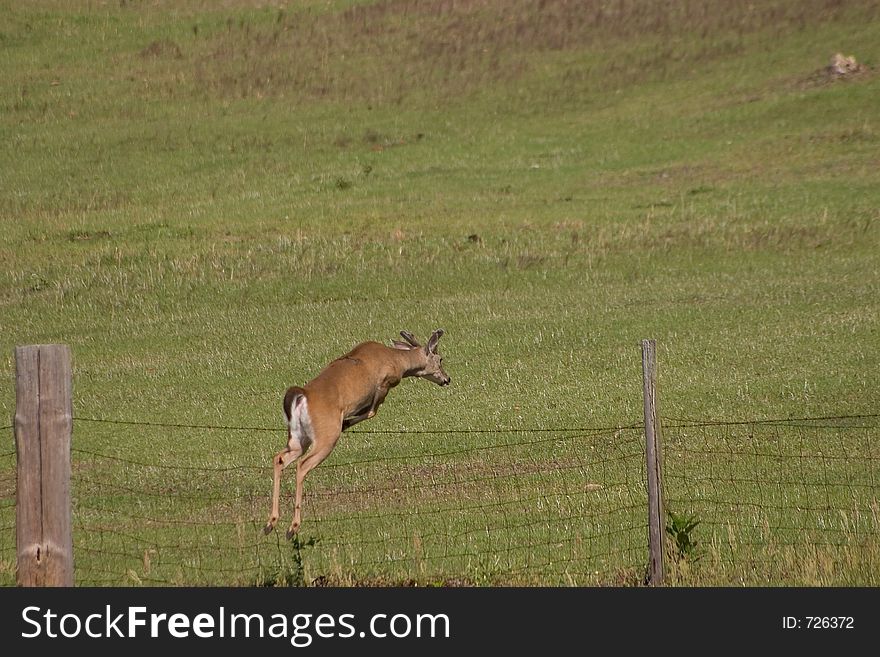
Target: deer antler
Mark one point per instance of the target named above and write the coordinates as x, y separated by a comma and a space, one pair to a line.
409, 337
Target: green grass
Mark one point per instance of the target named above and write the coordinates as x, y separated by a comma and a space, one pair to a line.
210, 201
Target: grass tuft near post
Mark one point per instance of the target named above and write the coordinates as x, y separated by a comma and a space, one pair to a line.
43, 424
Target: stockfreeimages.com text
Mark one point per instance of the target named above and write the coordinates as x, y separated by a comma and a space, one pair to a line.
300, 629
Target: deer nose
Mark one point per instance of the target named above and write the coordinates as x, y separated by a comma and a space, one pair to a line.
446, 382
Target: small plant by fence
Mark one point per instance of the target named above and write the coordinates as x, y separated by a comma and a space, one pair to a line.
765, 501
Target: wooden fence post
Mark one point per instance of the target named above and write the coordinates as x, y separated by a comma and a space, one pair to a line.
43, 425
654, 459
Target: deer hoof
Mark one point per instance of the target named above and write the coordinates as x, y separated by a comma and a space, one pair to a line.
269, 527
292, 532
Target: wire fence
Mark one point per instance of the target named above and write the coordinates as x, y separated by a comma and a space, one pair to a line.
185, 504
782, 500
388, 507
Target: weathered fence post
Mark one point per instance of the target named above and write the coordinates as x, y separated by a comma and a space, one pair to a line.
43, 424
654, 459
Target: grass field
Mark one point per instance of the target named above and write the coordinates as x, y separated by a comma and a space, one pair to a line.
210, 201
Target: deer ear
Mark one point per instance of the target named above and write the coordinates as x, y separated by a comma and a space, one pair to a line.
432, 342
409, 337
397, 344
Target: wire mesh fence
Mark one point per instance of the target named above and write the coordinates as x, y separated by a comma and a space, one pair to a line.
468, 507
773, 501
784, 500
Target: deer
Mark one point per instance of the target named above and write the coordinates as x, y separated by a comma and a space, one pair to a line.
347, 391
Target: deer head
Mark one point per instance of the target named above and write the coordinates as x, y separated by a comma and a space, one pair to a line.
431, 363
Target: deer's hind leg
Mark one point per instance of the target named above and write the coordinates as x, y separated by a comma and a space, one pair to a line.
281, 460
326, 434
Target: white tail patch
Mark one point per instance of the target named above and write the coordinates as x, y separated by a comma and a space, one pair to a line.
299, 428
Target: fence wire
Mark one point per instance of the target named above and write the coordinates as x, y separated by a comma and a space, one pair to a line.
796, 500
185, 504
388, 507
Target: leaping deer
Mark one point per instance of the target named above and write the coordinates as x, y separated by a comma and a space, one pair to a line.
347, 391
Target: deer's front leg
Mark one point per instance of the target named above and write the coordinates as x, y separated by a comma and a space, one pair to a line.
378, 398
354, 419
365, 412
